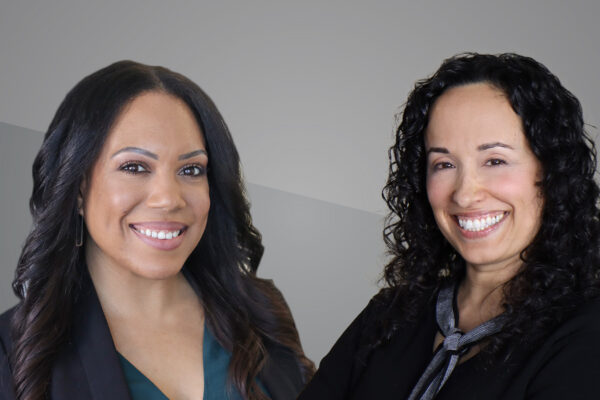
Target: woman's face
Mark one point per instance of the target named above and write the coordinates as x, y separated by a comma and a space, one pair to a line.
146, 201
481, 177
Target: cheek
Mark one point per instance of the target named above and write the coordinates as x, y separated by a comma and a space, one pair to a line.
200, 204
203, 208
108, 202
519, 188
124, 202
510, 184
438, 192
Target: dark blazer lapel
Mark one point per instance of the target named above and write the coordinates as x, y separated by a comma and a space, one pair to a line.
91, 358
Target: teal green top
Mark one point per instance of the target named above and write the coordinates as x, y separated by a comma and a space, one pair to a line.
216, 361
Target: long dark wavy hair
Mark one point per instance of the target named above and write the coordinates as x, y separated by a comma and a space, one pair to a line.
246, 313
561, 266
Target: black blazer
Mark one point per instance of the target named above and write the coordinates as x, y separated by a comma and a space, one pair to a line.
87, 367
563, 365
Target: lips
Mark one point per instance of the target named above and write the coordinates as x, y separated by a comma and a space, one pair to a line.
162, 235
480, 222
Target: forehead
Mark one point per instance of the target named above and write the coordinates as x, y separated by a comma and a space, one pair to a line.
156, 120
471, 115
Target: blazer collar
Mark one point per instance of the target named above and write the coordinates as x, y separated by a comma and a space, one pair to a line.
91, 356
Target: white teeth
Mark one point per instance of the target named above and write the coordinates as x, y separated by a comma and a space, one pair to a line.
479, 224
163, 235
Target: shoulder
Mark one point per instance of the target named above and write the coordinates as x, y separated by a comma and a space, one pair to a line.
5, 336
360, 332
6, 390
282, 373
567, 363
339, 369
365, 329
576, 331
583, 322
586, 315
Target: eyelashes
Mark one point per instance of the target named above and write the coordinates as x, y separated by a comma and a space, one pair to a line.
194, 170
133, 168
495, 162
442, 165
138, 168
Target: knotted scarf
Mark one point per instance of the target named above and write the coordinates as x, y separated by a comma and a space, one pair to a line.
455, 344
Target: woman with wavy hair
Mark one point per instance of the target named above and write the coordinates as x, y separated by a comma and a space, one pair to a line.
494, 281
138, 279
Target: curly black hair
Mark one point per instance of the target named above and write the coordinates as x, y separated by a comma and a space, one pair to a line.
561, 266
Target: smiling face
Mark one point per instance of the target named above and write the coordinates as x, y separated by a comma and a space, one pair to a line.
146, 201
481, 177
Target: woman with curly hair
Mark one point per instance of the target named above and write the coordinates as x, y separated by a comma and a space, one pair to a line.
138, 279
494, 282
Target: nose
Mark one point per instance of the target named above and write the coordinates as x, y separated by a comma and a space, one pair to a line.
468, 189
165, 193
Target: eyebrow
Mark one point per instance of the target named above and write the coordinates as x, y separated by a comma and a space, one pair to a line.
154, 156
485, 146
136, 150
437, 150
192, 154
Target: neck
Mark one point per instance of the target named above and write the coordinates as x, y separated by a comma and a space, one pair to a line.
124, 295
480, 294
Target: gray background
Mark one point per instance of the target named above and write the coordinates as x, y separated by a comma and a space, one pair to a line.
309, 90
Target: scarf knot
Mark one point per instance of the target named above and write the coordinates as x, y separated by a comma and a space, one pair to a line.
452, 342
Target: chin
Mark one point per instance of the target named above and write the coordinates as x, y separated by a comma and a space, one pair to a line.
157, 272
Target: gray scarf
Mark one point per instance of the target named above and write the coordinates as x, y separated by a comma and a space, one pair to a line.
455, 344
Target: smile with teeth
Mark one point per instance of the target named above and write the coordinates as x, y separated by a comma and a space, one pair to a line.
479, 223
163, 235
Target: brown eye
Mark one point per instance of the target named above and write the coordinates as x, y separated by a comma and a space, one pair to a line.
442, 165
133, 168
193, 170
494, 162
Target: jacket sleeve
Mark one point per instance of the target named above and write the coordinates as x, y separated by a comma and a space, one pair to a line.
334, 378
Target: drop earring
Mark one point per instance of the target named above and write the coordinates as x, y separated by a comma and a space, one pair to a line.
79, 231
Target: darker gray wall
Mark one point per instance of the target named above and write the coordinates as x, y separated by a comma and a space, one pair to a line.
325, 258
18, 147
